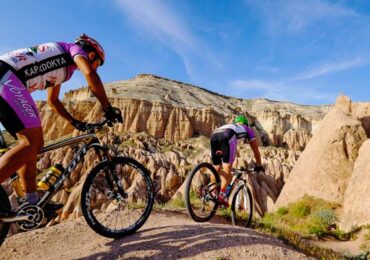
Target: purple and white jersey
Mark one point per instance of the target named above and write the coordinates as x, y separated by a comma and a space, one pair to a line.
239, 131
45, 65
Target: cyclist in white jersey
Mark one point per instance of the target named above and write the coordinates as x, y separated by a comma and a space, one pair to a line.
223, 150
45, 66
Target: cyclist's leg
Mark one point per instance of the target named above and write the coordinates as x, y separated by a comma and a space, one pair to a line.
23, 154
19, 116
216, 159
227, 160
33, 137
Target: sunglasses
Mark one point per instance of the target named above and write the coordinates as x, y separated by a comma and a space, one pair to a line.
96, 59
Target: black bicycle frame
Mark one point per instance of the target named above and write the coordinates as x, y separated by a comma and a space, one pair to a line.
90, 141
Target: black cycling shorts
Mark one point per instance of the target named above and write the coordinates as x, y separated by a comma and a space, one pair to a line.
220, 142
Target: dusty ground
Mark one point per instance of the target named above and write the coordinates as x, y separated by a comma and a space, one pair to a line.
164, 236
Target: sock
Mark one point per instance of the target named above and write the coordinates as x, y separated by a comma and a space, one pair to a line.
223, 191
32, 197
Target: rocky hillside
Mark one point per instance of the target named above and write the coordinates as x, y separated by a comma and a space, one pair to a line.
166, 128
335, 164
176, 111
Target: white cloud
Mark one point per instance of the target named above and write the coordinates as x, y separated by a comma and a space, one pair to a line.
158, 20
281, 91
294, 16
285, 90
329, 68
253, 85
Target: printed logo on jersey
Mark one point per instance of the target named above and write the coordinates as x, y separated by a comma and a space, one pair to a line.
18, 57
34, 49
45, 66
18, 93
39, 48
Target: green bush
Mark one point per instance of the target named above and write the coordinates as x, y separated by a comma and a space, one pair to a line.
301, 209
268, 220
177, 203
321, 221
306, 217
282, 211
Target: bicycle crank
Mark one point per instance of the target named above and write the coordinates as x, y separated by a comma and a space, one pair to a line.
33, 222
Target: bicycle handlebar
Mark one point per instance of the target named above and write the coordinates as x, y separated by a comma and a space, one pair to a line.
243, 170
90, 128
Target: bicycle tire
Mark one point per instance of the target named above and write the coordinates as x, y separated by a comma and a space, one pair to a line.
198, 195
95, 204
4, 207
242, 206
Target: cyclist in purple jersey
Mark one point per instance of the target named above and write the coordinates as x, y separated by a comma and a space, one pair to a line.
45, 66
223, 150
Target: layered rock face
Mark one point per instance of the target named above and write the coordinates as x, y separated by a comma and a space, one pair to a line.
334, 165
158, 119
170, 113
356, 202
168, 169
175, 111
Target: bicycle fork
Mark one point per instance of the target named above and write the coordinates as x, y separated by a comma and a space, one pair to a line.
111, 177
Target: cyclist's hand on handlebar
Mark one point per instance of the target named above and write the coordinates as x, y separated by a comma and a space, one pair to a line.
79, 125
259, 168
113, 115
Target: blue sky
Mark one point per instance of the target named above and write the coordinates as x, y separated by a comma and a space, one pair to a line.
307, 52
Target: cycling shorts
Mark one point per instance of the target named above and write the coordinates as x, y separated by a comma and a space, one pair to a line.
221, 142
18, 111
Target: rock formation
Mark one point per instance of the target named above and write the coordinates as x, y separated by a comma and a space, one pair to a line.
356, 210
166, 128
176, 111
334, 165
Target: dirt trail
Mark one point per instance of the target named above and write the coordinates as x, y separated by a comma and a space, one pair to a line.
164, 236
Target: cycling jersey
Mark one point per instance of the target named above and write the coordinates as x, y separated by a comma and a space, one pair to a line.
225, 139
239, 131
45, 65
26, 70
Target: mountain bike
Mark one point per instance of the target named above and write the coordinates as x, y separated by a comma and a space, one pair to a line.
116, 198
202, 188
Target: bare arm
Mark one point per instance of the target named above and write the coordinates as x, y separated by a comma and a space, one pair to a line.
93, 80
56, 104
254, 145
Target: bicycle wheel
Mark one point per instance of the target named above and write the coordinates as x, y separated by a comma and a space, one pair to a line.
117, 197
242, 206
4, 207
201, 188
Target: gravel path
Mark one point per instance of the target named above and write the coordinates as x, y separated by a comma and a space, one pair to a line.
164, 236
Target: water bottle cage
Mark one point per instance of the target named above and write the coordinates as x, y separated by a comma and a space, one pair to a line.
48, 179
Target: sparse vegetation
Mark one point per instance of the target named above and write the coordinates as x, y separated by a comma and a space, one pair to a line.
365, 246
307, 217
177, 203
224, 212
302, 220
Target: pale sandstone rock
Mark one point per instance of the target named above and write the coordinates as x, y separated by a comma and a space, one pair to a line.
324, 168
173, 110
356, 210
296, 139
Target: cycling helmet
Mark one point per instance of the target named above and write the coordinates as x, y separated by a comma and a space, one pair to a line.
241, 119
89, 44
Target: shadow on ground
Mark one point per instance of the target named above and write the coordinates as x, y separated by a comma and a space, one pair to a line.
182, 241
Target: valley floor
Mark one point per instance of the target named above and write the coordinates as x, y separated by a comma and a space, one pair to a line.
166, 235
